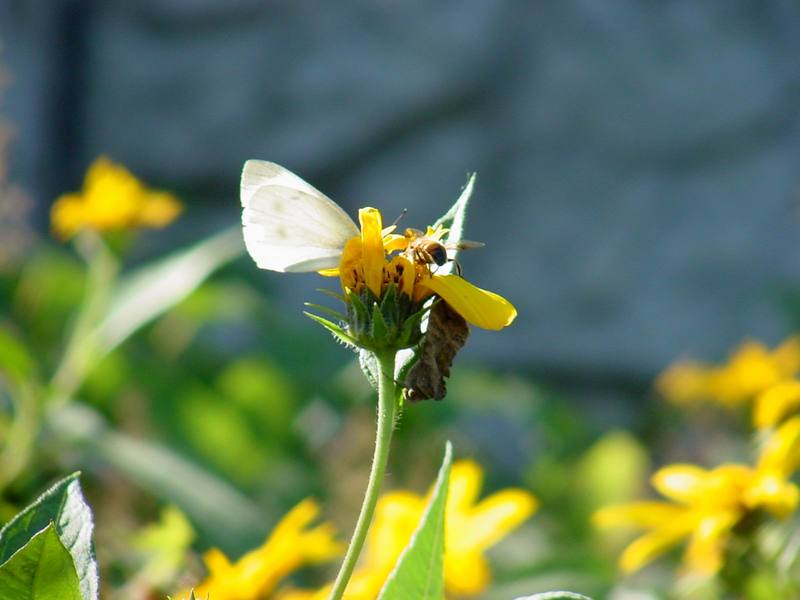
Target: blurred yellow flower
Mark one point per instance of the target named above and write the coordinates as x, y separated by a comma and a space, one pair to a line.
750, 370
776, 403
112, 199
471, 527
707, 504
290, 546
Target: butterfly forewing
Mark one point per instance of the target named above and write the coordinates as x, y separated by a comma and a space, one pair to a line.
289, 225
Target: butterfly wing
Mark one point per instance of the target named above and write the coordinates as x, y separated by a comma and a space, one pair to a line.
289, 226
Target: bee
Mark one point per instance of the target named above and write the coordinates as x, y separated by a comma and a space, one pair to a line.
427, 250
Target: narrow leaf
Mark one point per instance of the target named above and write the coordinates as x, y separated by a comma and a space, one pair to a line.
64, 506
326, 310
454, 220
419, 572
338, 333
147, 293
212, 504
41, 570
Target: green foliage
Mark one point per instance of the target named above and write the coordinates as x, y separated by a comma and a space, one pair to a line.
556, 596
42, 569
64, 507
419, 572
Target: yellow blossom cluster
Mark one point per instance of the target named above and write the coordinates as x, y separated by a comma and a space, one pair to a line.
471, 526
377, 258
752, 374
705, 506
112, 199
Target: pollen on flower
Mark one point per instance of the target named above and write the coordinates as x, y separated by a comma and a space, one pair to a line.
112, 199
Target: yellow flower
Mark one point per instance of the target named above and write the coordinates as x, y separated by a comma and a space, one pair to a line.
775, 403
707, 504
750, 370
292, 545
471, 527
112, 199
368, 261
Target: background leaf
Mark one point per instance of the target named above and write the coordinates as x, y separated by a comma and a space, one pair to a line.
419, 572
211, 503
41, 570
555, 596
64, 506
155, 288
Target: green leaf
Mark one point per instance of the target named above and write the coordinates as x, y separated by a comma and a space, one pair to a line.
338, 333
41, 570
555, 596
419, 572
64, 506
454, 220
155, 288
15, 360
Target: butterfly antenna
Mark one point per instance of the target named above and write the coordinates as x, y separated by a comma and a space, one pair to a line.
400, 216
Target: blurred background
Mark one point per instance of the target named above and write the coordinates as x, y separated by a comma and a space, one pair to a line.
638, 191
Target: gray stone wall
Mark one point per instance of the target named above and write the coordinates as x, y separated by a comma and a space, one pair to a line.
638, 161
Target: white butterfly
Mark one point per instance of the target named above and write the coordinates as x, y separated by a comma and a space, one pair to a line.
289, 226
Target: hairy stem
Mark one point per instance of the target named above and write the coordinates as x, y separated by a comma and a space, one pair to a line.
387, 407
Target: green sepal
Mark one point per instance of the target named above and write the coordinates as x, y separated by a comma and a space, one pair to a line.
338, 333
333, 294
369, 366
360, 315
410, 334
327, 310
390, 307
379, 330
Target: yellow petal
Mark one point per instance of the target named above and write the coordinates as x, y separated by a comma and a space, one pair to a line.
395, 242
400, 272
704, 554
787, 356
685, 382
774, 493
679, 482
775, 403
636, 514
480, 307
466, 479
781, 453
490, 520
466, 574
373, 253
649, 546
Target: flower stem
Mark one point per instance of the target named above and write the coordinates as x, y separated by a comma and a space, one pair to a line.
387, 408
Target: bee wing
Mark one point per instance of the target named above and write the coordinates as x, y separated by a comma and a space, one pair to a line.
464, 245
289, 226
